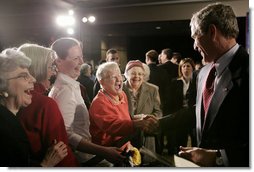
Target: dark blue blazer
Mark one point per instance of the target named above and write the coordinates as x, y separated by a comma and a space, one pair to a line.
227, 123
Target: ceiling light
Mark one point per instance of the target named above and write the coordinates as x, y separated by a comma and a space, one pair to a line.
70, 31
91, 19
65, 20
84, 19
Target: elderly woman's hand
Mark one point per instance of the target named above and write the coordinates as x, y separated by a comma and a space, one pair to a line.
151, 124
55, 154
113, 155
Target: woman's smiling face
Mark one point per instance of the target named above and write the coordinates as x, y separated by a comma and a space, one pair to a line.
72, 63
135, 77
20, 84
113, 82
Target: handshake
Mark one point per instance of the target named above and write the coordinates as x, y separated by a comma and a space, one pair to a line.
147, 123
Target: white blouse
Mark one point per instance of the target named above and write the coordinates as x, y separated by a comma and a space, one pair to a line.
66, 92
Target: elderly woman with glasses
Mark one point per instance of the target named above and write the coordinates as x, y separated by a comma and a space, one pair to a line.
109, 114
42, 119
143, 99
16, 85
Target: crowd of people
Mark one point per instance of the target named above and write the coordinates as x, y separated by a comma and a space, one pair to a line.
79, 121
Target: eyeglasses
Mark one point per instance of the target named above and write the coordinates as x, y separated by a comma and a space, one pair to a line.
138, 74
115, 77
25, 76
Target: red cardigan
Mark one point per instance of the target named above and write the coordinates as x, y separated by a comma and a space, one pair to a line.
109, 122
43, 122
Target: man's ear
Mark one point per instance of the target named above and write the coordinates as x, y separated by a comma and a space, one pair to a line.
101, 81
213, 31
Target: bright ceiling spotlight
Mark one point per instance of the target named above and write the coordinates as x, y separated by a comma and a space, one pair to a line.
70, 31
91, 19
71, 12
65, 20
84, 19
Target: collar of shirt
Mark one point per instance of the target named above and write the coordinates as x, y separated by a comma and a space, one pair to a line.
225, 59
185, 85
65, 79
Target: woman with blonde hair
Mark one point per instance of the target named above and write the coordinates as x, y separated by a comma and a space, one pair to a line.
42, 119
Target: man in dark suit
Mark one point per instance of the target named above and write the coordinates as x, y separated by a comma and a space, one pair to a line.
171, 68
157, 77
222, 122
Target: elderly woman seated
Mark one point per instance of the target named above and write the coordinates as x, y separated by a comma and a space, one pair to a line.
111, 123
16, 85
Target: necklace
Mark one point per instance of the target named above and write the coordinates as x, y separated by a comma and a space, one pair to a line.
113, 100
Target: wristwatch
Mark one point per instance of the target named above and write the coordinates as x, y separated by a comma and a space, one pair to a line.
219, 161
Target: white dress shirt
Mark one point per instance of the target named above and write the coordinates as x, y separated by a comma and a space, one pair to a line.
66, 92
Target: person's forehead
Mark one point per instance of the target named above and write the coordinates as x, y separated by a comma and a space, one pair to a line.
115, 55
112, 71
136, 69
75, 49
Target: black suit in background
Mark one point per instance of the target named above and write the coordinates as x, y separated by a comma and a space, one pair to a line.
96, 87
157, 77
88, 83
183, 123
171, 68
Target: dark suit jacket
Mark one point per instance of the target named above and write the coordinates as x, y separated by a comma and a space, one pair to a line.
171, 72
176, 91
157, 77
227, 123
88, 83
171, 68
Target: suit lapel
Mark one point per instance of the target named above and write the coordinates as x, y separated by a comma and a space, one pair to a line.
221, 91
200, 80
225, 81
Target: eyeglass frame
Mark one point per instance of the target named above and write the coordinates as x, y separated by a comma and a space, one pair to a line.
25, 76
114, 77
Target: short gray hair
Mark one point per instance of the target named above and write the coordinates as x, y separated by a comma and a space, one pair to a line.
104, 68
222, 16
84, 69
40, 57
10, 60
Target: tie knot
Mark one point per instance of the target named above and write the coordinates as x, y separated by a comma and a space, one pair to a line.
210, 78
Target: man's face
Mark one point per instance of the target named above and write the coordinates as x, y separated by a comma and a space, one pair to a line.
113, 58
163, 58
204, 45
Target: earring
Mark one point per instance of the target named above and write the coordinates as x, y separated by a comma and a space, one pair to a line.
5, 94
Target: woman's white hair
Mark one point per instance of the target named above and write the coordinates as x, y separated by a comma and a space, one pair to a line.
104, 68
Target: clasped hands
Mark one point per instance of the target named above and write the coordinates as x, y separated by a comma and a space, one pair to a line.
148, 123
